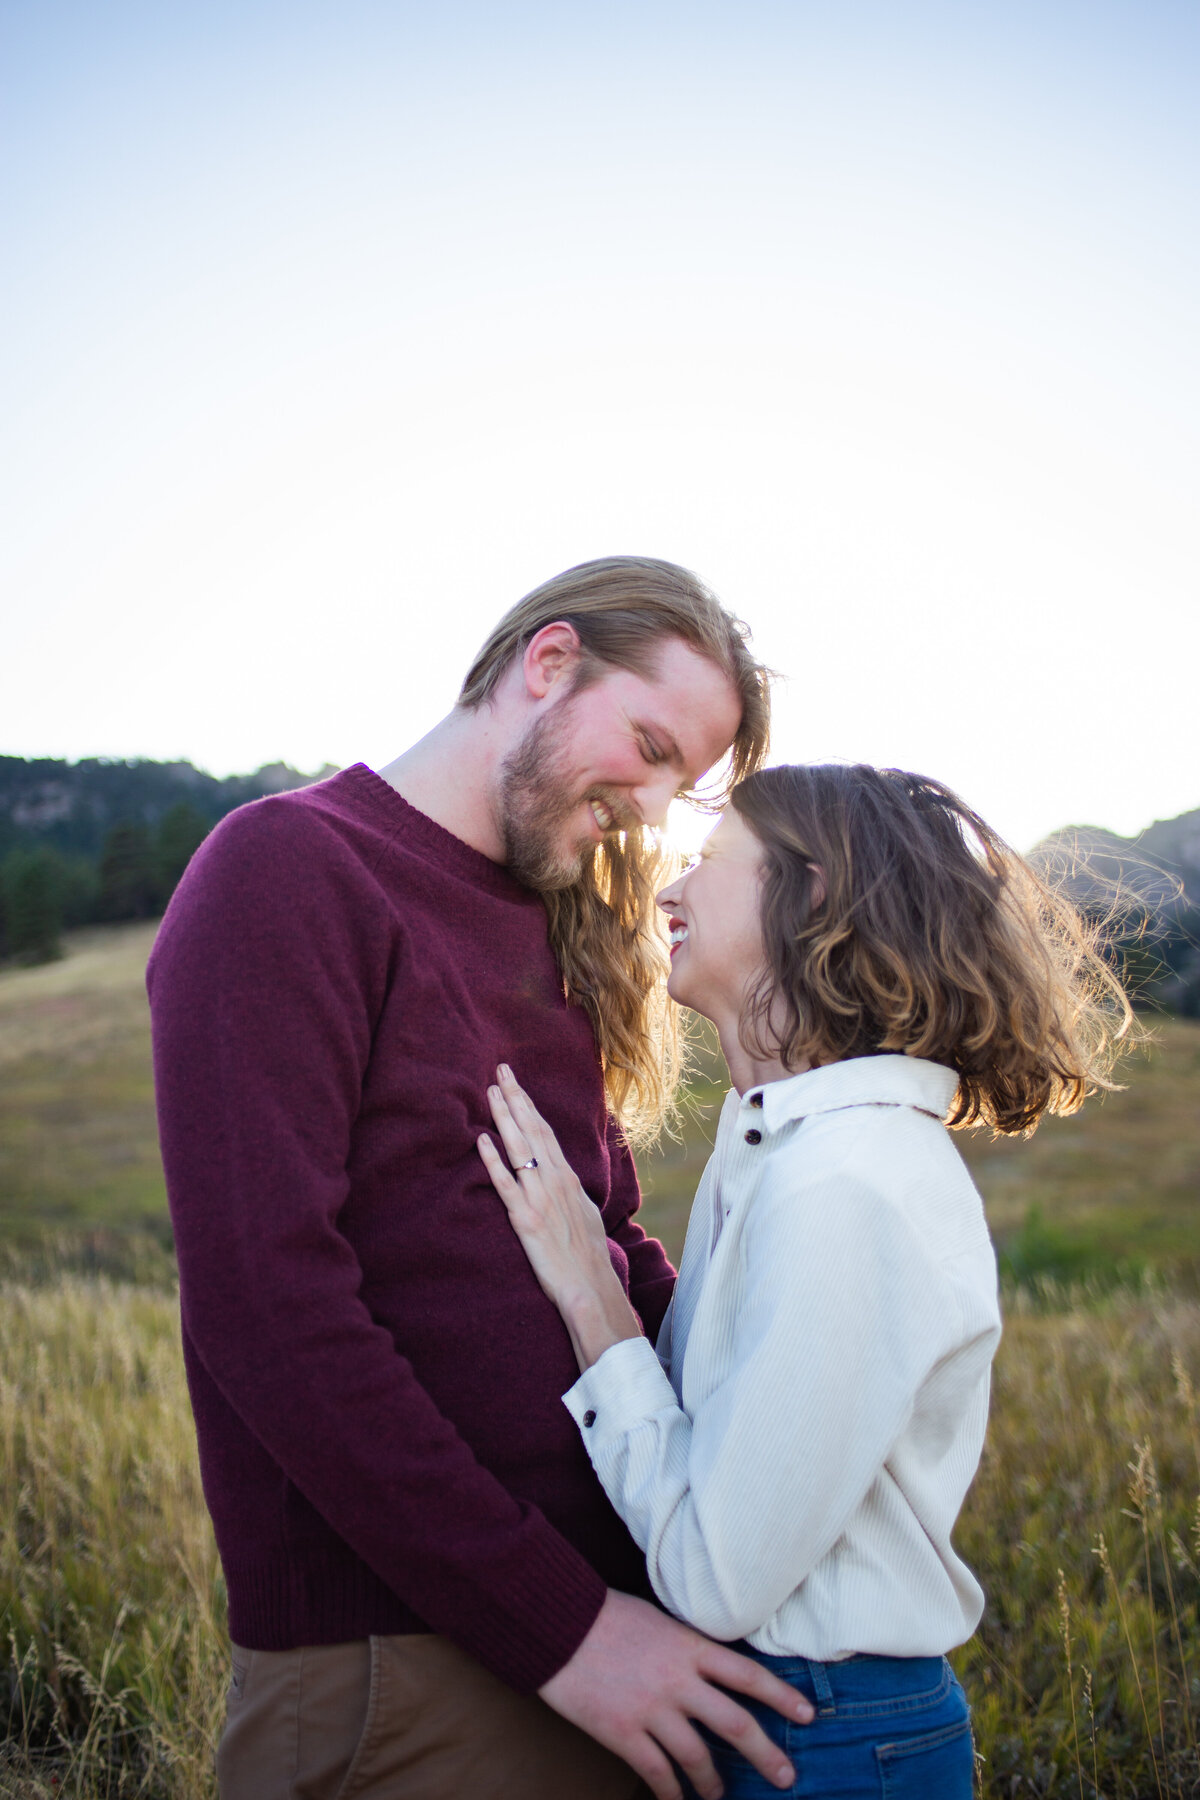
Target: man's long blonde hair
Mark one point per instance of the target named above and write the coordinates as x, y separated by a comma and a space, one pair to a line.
605, 928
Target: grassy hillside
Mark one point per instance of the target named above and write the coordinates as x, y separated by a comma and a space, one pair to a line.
1084, 1523
1111, 1192
1107, 1194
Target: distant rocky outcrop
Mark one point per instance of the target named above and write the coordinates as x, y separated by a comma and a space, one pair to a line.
1147, 890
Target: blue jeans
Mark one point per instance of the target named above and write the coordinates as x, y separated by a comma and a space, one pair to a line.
887, 1728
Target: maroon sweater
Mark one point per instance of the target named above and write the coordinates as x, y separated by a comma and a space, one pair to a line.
375, 1373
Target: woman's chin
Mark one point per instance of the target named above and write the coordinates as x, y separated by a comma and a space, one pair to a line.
683, 995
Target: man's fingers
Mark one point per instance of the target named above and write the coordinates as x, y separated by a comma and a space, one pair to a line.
649, 1762
741, 1730
680, 1739
748, 1677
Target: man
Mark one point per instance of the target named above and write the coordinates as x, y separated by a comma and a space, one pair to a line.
429, 1594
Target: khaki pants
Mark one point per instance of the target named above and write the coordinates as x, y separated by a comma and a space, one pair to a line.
400, 1718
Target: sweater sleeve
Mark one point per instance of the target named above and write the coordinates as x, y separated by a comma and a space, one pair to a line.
265, 985
841, 1320
651, 1275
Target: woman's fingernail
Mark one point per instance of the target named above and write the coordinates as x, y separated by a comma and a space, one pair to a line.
785, 1775
505, 1072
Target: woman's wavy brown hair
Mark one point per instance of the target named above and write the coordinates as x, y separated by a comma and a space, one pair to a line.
896, 920
605, 928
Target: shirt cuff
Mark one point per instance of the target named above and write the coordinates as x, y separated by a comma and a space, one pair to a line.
622, 1389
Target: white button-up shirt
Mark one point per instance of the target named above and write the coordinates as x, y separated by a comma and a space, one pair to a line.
793, 1458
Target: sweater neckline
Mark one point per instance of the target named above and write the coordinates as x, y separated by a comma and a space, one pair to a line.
403, 816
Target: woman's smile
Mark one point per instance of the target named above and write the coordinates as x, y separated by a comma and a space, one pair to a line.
713, 923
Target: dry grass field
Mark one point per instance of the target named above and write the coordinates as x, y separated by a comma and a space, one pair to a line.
1084, 1523
78, 1142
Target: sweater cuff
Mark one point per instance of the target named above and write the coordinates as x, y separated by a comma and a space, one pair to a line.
529, 1636
622, 1389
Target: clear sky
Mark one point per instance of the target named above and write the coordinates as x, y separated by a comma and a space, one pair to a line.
327, 331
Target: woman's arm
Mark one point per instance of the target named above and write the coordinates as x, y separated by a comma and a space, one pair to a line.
831, 1323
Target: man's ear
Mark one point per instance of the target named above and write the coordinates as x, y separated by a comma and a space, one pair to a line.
551, 658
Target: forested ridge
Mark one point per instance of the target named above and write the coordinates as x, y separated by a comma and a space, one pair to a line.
103, 840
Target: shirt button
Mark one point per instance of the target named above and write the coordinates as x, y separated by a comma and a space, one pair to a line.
589, 1417
754, 1137
756, 1099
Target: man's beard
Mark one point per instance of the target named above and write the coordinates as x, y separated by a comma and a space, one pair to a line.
536, 805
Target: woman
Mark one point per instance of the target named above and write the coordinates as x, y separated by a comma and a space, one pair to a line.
794, 1457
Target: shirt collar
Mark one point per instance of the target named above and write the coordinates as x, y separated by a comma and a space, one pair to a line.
859, 1081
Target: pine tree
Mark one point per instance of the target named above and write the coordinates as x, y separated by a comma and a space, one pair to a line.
181, 831
128, 879
31, 895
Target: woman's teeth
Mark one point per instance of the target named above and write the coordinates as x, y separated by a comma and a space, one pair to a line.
678, 934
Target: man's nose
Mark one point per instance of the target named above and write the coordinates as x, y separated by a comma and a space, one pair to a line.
652, 798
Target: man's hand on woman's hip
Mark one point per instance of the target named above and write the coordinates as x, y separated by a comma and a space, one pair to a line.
638, 1682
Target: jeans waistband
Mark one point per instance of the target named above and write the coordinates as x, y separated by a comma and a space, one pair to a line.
864, 1684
